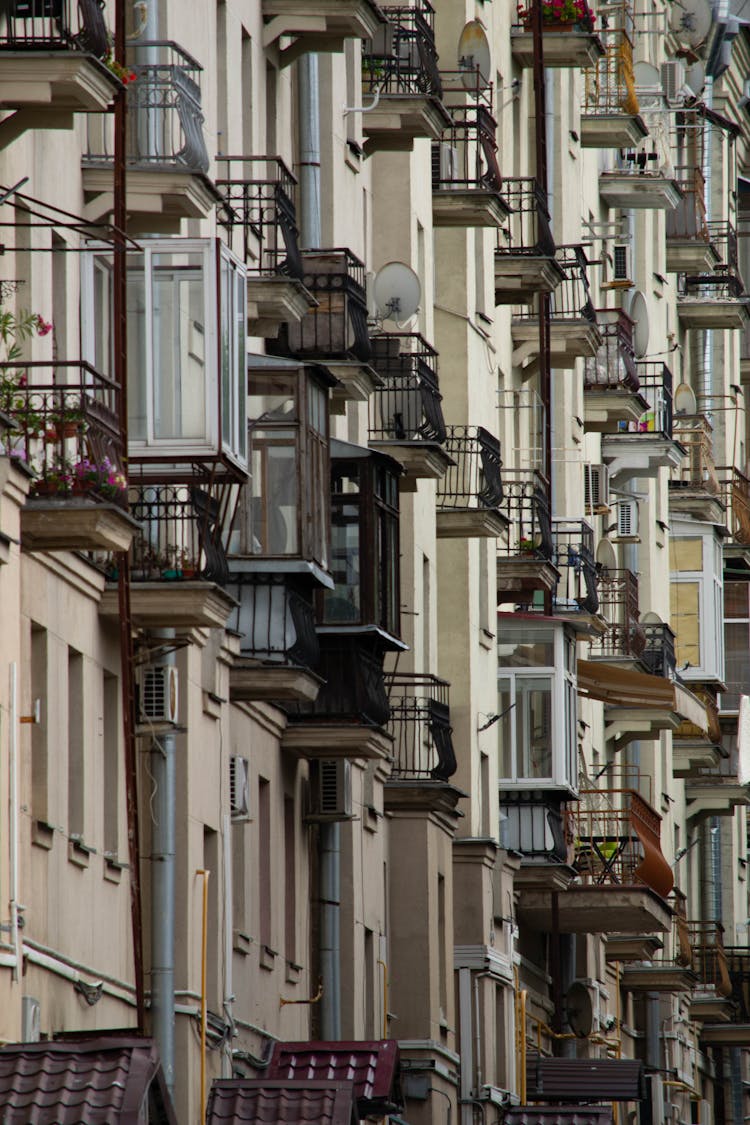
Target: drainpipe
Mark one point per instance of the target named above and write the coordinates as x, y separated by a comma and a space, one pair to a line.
309, 151
162, 764
706, 369
653, 1038
568, 957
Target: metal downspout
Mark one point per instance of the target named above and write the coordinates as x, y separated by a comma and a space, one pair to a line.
330, 922
309, 151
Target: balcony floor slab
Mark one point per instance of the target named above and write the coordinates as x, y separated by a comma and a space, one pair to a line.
467, 207
356, 382
704, 312
421, 460
561, 48
606, 407
690, 255
612, 130
64, 81
75, 525
524, 574
399, 119
631, 947
470, 523
336, 740
326, 19
658, 978
173, 605
597, 910
631, 455
519, 277
725, 1035
639, 191
714, 798
273, 301
251, 683
158, 197
570, 340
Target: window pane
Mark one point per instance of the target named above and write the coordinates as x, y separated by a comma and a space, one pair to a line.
736, 599
274, 502
685, 620
686, 554
505, 726
343, 604
137, 366
534, 725
737, 647
526, 648
272, 397
240, 361
179, 392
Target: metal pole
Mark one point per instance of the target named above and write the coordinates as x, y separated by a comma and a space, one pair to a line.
309, 151
330, 941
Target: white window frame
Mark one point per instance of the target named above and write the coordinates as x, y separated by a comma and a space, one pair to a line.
710, 582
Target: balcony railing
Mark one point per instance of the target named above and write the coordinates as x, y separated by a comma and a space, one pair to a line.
688, 219
474, 482
420, 728
526, 505
655, 381
571, 300
401, 58
54, 25
725, 282
277, 624
738, 965
658, 655
617, 840
613, 366
164, 119
618, 605
337, 328
465, 157
735, 494
698, 471
610, 84
709, 960
527, 229
354, 688
407, 407
573, 555
67, 431
259, 199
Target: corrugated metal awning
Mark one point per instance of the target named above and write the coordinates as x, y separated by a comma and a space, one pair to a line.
259, 1101
372, 1065
559, 1115
584, 1080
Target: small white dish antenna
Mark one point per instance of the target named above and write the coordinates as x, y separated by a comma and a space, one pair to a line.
690, 20
684, 399
651, 618
638, 313
397, 291
605, 555
695, 78
474, 60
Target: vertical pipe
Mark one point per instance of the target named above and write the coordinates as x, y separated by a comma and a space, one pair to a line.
467, 1045
330, 938
226, 1058
568, 956
653, 1039
13, 815
309, 151
204, 1005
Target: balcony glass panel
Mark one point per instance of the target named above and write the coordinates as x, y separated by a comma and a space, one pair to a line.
736, 644
697, 604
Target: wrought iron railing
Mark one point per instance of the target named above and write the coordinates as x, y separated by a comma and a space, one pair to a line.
67, 428
610, 83
658, 655
465, 157
688, 219
617, 840
401, 58
54, 25
279, 623
738, 966
474, 481
735, 494
354, 688
655, 384
709, 960
613, 366
259, 200
526, 506
164, 119
725, 281
573, 555
571, 300
526, 230
698, 470
618, 605
337, 327
420, 727
407, 407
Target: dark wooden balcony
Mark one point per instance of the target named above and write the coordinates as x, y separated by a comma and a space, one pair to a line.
420, 727
470, 495
610, 115
524, 559
402, 81
525, 261
611, 386
624, 638
564, 44
689, 245
715, 298
325, 29
573, 329
658, 653
647, 445
695, 488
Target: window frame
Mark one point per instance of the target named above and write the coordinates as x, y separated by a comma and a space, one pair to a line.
710, 583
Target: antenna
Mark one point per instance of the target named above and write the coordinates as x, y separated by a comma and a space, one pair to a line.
579, 1009
605, 555
695, 78
684, 399
474, 60
396, 291
690, 20
638, 313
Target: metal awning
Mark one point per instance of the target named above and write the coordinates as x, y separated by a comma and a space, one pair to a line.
584, 1080
621, 687
258, 1101
372, 1065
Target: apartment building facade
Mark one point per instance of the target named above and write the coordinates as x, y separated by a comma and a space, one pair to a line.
374, 541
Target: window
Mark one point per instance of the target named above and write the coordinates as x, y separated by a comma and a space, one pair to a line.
536, 705
736, 644
40, 805
76, 758
111, 763
290, 883
696, 602
264, 861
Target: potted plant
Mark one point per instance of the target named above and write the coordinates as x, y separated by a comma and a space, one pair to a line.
561, 15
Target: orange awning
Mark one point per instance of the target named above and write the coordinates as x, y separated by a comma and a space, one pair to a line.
621, 687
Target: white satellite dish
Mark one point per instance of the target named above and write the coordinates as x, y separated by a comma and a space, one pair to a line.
690, 20
605, 555
397, 291
648, 84
684, 399
474, 60
638, 313
695, 78
651, 618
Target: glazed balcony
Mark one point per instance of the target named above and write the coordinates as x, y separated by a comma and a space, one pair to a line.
53, 64
470, 495
568, 45
323, 29
67, 432
525, 261
647, 445
466, 180
611, 386
401, 78
573, 329
610, 116
716, 298
259, 210
420, 727
624, 638
524, 559
695, 489
406, 415
689, 246
639, 180
166, 154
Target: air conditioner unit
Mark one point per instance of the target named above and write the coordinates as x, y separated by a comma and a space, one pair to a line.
157, 695
239, 788
444, 164
595, 489
330, 790
673, 80
31, 1020
627, 521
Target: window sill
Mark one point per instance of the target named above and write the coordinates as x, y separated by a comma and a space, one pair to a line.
267, 958
43, 835
241, 942
79, 853
113, 868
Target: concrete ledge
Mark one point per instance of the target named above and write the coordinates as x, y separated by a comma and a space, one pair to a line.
659, 978
690, 255
642, 191
612, 130
561, 48
707, 312
422, 460
252, 683
470, 523
175, 605
467, 207
598, 910
61, 80
399, 119
75, 525
336, 740
519, 277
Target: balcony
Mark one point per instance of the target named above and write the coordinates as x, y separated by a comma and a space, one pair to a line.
470, 495
738, 964
536, 826
524, 559
695, 748
648, 445
715, 299
711, 999
694, 488
466, 180
576, 597
719, 790
612, 397
167, 159
401, 79
689, 246
53, 64
525, 261
735, 493
623, 877
573, 330
324, 29
67, 432
624, 638
406, 415
259, 210
610, 116
423, 756
335, 332
658, 653
640, 180
563, 44
671, 970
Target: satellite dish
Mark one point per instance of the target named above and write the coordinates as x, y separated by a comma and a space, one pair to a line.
474, 56
638, 313
695, 78
579, 1009
397, 291
651, 618
605, 555
690, 20
684, 399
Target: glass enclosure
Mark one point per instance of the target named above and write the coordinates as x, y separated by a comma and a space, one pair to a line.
697, 603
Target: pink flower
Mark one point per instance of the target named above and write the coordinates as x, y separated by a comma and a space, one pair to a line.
43, 327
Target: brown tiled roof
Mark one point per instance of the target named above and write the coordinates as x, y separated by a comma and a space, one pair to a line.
265, 1101
373, 1067
98, 1081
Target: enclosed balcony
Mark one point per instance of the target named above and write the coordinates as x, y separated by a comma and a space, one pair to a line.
423, 755
466, 180
166, 155
696, 563
624, 638
406, 415
694, 488
611, 386
401, 80
573, 329
259, 211
524, 559
689, 245
647, 445
569, 45
470, 495
67, 433
525, 262
536, 826
54, 61
641, 179
323, 29
610, 115
715, 298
